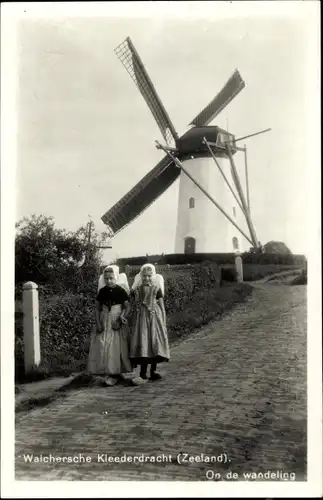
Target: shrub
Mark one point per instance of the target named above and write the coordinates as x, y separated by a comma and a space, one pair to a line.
65, 329
254, 272
205, 306
178, 259
218, 258
205, 276
274, 259
301, 279
228, 274
181, 285
193, 298
56, 259
177, 292
19, 344
276, 247
66, 324
131, 261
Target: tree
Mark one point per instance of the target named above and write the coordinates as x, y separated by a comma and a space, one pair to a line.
276, 247
53, 257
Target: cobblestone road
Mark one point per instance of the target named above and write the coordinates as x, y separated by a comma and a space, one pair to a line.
237, 386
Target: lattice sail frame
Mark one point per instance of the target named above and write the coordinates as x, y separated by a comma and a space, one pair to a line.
130, 59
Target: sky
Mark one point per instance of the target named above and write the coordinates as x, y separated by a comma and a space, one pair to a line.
86, 136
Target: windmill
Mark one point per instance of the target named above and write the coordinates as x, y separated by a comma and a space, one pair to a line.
191, 158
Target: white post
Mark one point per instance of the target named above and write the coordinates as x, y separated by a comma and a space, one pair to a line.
31, 325
239, 268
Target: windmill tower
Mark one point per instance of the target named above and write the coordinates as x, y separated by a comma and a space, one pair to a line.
200, 227
203, 160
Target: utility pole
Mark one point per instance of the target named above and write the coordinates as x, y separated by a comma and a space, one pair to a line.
90, 228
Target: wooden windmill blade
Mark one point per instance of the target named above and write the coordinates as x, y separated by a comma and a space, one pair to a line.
142, 195
131, 60
232, 88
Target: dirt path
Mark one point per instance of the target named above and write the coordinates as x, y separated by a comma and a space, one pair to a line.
237, 387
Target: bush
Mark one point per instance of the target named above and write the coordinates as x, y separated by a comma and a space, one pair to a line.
56, 259
177, 292
274, 259
228, 274
193, 298
217, 258
182, 285
179, 259
73, 317
301, 279
131, 261
205, 306
19, 344
65, 329
276, 247
254, 272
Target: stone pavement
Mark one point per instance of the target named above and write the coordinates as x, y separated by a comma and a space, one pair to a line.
237, 388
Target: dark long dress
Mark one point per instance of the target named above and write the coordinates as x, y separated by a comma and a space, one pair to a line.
149, 342
109, 350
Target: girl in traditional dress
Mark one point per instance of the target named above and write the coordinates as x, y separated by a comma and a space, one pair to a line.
109, 349
149, 342
122, 279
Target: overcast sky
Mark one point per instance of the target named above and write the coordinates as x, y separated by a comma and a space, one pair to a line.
86, 136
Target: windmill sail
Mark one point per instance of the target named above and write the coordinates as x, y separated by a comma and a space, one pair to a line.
130, 58
142, 195
233, 86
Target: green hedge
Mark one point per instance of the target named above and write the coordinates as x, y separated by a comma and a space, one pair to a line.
274, 259
218, 258
301, 279
176, 259
66, 321
182, 285
65, 327
205, 306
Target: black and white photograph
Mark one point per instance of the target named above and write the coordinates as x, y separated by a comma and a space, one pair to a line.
160, 249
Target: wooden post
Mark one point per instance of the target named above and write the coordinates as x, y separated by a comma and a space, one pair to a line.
222, 173
247, 176
239, 268
242, 197
30, 307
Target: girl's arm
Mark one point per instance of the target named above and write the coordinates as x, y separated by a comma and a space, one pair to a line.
162, 307
125, 311
97, 316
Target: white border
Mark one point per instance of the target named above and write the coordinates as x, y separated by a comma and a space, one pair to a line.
11, 13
